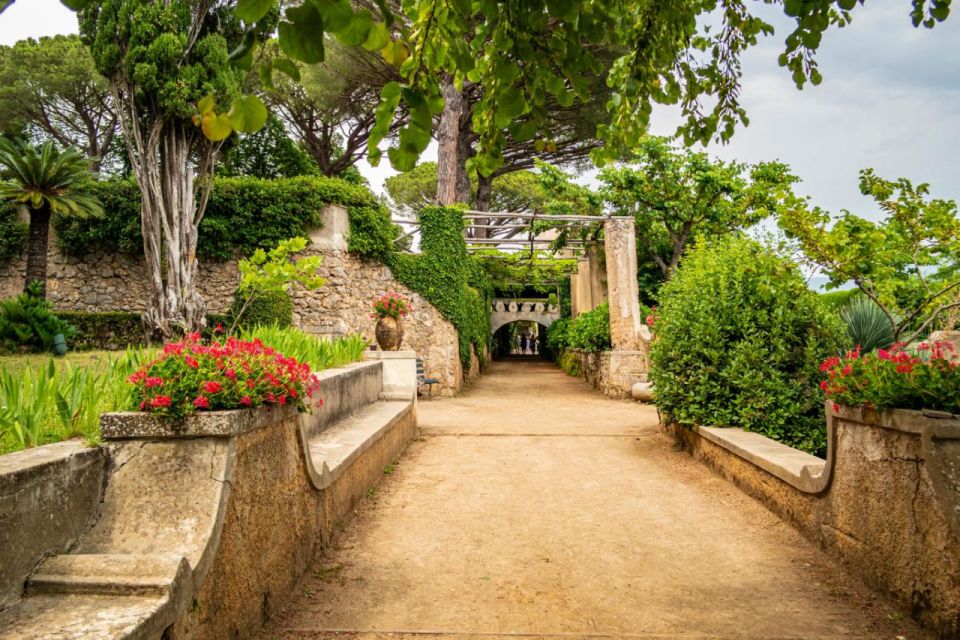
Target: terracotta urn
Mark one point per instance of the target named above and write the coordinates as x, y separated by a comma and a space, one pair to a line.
389, 333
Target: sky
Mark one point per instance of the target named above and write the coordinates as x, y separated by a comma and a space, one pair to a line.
890, 99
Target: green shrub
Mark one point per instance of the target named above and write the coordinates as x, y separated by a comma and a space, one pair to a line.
28, 323
558, 337
838, 299
13, 234
739, 340
243, 214
110, 330
867, 325
569, 363
270, 308
590, 331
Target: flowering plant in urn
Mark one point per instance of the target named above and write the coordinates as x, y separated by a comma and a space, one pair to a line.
389, 311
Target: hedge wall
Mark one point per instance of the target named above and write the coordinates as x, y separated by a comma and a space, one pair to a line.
446, 275
104, 330
243, 214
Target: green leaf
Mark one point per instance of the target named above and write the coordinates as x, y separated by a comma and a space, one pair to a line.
205, 105
377, 38
5, 4
288, 67
394, 53
73, 5
357, 30
248, 114
303, 40
242, 56
336, 13
265, 71
566, 9
216, 127
252, 10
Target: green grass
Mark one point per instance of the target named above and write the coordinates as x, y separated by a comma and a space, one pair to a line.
45, 399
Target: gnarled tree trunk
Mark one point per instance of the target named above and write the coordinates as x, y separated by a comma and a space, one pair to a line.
37, 243
174, 195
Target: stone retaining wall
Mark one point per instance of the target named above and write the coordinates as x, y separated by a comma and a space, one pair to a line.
48, 497
890, 510
202, 528
109, 281
612, 372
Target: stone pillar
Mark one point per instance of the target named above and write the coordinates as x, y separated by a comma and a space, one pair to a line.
332, 236
574, 299
598, 275
626, 325
399, 373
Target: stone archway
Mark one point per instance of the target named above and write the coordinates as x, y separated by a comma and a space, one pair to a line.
503, 311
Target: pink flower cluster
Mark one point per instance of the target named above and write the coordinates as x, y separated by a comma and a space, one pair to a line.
925, 377
189, 375
391, 305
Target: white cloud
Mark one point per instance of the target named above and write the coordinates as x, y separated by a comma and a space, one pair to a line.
34, 19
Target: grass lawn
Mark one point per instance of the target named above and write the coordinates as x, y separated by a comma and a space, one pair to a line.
96, 361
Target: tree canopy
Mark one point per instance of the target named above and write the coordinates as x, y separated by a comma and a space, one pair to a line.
675, 194
907, 263
50, 89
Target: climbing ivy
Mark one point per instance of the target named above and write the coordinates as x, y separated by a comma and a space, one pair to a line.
13, 233
244, 214
452, 281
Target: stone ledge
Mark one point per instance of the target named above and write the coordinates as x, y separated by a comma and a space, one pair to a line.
797, 468
335, 449
138, 425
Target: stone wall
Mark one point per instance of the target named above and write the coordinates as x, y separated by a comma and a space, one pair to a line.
890, 508
612, 372
202, 530
106, 281
343, 306
48, 497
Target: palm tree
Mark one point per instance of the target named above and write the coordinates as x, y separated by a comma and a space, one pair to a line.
44, 179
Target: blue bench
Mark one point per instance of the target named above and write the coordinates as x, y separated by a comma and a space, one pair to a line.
423, 380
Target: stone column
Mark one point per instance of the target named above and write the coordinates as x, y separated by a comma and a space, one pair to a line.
626, 325
332, 236
598, 275
574, 299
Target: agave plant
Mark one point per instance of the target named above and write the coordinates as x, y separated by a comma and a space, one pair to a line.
867, 324
45, 180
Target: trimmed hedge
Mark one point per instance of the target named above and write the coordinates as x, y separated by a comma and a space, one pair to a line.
244, 214
444, 274
267, 309
109, 330
739, 340
589, 331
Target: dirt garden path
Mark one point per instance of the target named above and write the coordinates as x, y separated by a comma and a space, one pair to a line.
534, 507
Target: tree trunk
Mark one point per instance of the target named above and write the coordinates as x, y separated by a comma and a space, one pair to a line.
169, 217
37, 249
484, 196
452, 182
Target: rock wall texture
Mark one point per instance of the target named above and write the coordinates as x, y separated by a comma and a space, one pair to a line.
612, 372
890, 512
106, 281
343, 305
64, 480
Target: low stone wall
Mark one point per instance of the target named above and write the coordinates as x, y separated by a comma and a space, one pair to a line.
205, 527
889, 504
48, 497
612, 372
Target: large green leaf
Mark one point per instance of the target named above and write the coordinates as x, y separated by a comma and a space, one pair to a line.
301, 35
248, 114
252, 10
377, 38
288, 67
216, 127
336, 13
357, 30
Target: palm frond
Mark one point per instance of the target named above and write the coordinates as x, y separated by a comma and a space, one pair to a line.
45, 176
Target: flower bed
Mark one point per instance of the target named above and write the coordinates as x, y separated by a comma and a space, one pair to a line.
191, 376
925, 378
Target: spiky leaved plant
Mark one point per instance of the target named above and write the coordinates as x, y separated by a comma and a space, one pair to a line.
867, 325
46, 180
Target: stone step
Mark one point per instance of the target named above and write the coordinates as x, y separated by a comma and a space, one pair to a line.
334, 448
109, 574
